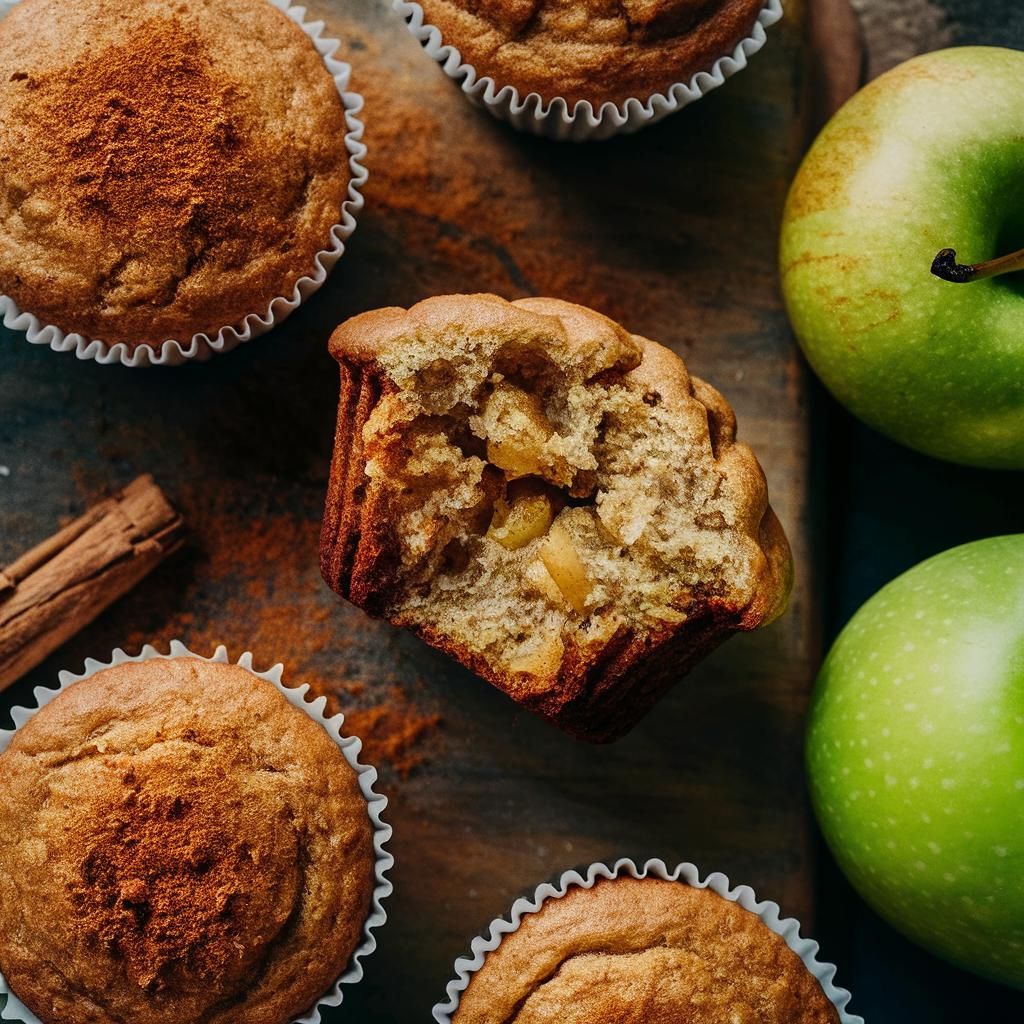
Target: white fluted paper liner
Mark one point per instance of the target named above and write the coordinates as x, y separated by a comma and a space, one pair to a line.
554, 119
350, 746
201, 346
688, 874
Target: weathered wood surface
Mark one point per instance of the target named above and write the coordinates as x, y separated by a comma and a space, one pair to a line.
673, 232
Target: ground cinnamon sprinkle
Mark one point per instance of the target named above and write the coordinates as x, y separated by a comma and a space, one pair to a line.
158, 887
391, 733
480, 224
157, 96
249, 579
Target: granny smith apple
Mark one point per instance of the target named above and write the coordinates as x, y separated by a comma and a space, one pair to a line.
915, 754
929, 157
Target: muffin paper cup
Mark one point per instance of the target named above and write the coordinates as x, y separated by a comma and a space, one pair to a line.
202, 346
350, 746
554, 119
788, 928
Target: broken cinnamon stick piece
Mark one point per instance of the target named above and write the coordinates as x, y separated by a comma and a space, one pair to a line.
62, 584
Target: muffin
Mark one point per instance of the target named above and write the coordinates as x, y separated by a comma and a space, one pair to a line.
178, 844
598, 52
551, 500
643, 951
166, 168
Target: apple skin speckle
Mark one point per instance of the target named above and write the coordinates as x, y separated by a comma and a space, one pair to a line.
926, 157
928, 823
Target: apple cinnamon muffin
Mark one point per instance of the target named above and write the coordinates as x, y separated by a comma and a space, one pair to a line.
178, 845
166, 168
643, 951
551, 500
592, 50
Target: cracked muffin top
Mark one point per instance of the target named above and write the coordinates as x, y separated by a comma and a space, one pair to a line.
178, 844
596, 50
166, 168
643, 951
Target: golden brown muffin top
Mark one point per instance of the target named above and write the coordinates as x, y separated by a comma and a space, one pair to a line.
596, 50
644, 951
178, 843
166, 168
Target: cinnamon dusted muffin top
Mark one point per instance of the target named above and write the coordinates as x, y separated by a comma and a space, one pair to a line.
166, 168
178, 843
596, 50
643, 951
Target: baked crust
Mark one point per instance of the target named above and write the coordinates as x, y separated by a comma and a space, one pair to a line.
166, 169
595, 690
592, 49
178, 844
643, 951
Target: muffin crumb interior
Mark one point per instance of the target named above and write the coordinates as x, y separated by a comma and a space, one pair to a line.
547, 502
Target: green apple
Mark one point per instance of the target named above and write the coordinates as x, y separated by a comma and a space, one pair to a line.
915, 754
928, 157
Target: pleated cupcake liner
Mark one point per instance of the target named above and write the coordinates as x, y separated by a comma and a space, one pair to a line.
685, 874
555, 119
202, 346
350, 747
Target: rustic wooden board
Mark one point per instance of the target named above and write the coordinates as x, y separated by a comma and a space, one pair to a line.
672, 232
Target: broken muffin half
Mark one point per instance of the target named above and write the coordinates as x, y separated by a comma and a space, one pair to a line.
551, 500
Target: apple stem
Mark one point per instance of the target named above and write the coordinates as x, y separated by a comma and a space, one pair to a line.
946, 267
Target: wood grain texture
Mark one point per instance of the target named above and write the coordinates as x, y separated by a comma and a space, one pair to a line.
836, 54
673, 233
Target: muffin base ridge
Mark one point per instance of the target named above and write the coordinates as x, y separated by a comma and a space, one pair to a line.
554, 118
350, 746
769, 913
201, 346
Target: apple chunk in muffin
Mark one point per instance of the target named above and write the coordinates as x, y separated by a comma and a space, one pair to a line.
551, 500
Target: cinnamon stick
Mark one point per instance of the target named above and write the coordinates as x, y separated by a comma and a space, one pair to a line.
62, 584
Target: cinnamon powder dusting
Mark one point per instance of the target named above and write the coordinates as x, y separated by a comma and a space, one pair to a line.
162, 887
470, 224
146, 126
251, 581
